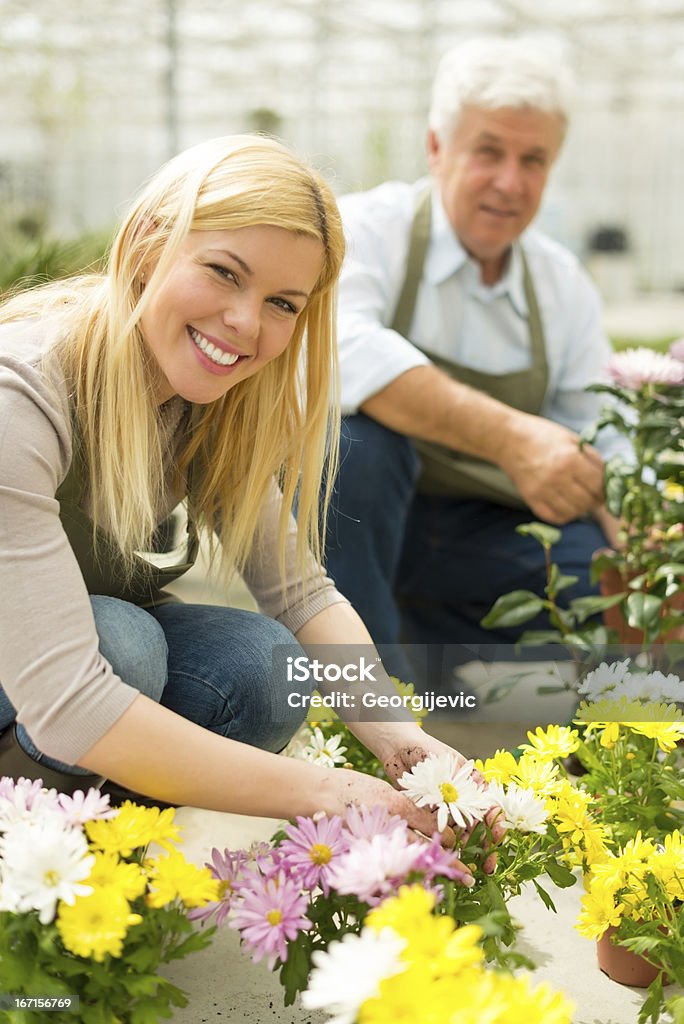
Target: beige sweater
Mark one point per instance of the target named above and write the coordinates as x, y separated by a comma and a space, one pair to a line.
65, 692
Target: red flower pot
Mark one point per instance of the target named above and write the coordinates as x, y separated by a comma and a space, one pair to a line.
623, 966
612, 582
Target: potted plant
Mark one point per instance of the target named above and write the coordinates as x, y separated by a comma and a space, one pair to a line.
622, 820
633, 905
645, 490
86, 916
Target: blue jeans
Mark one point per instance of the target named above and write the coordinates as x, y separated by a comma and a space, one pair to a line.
424, 570
212, 665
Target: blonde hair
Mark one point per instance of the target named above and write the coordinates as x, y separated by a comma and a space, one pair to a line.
281, 423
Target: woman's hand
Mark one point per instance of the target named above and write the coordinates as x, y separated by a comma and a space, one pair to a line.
407, 756
351, 787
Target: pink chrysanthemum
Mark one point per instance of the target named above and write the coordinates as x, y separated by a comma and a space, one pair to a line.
311, 850
636, 367
25, 799
373, 868
677, 349
366, 822
270, 915
81, 807
434, 860
227, 867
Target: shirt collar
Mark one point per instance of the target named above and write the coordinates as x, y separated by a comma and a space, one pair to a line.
446, 256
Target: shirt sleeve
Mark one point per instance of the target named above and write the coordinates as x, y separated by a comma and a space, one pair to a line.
64, 692
294, 600
372, 355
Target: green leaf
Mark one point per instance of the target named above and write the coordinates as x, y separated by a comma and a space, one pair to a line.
643, 610
653, 1004
502, 689
675, 1007
560, 875
669, 569
584, 607
544, 896
513, 609
546, 535
558, 582
295, 971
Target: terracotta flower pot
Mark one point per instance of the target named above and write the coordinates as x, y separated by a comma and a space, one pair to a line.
623, 966
612, 582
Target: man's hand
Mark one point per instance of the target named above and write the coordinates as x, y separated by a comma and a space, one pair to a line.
557, 479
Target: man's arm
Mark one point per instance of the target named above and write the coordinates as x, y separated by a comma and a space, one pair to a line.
555, 478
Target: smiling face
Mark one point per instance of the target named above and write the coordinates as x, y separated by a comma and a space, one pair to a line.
228, 306
491, 174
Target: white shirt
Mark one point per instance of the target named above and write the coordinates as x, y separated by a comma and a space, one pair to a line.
456, 315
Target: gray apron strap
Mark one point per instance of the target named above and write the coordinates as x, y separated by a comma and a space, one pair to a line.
445, 471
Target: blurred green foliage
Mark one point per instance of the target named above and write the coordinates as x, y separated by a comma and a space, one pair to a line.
27, 260
658, 344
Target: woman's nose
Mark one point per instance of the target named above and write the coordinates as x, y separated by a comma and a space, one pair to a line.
243, 316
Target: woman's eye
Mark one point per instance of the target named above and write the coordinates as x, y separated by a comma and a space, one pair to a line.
223, 272
286, 306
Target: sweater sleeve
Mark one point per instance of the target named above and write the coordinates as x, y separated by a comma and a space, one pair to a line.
296, 599
64, 692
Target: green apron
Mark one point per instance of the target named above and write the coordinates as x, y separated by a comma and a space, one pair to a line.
445, 471
105, 573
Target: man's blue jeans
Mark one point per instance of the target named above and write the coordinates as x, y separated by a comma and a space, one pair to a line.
423, 569
212, 665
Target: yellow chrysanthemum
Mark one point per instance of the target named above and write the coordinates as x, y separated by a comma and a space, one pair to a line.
554, 741
673, 491
109, 871
610, 735
536, 773
172, 876
96, 925
583, 838
410, 997
499, 768
134, 827
538, 1005
432, 942
404, 912
598, 714
598, 913
667, 865
666, 734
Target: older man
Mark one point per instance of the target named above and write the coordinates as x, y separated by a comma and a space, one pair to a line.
466, 347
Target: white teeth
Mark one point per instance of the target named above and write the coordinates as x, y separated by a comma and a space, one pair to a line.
214, 353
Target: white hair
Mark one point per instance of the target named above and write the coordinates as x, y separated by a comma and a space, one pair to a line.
491, 73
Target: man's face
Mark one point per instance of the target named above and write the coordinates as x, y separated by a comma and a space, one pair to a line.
491, 174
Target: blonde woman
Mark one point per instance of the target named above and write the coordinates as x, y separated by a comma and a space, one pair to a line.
179, 373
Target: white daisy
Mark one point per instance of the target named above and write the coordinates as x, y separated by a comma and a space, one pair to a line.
439, 782
605, 679
43, 862
350, 971
327, 752
522, 810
